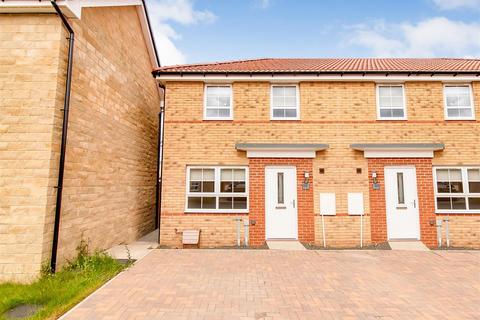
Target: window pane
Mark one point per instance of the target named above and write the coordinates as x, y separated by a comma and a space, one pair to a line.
226, 186
456, 187
442, 174
443, 187
474, 187
386, 113
290, 102
290, 113
290, 91
458, 203
208, 203
455, 175
384, 91
239, 186
473, 174
194, 202
209, 174
385, 102
224, 91
211, 113
208, 186
474, 203
397, 102
397, 91
226, 174
280, 190
224, 113
463, 90
225, 203
240, 203
464, 101
453, 113
239, 174
397, 113
465, 112
279, 113
452, 101
224, 101
212, 102
195, 174
444, 203
278, 91
400, 191
278, 101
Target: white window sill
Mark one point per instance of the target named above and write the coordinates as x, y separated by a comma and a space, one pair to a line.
213, 119
457, 212
462, 119
284, 119
392, 118
216, 211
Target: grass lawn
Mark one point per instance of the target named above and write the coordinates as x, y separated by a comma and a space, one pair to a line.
59, 292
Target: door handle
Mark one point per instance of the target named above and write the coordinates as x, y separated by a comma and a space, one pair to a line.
293, 202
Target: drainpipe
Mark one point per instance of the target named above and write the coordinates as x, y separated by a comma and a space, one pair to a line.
161, 135
66, 107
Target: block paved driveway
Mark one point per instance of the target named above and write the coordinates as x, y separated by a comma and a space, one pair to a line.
267, 284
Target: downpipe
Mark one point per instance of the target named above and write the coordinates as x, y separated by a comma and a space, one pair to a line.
161, 137
66, 108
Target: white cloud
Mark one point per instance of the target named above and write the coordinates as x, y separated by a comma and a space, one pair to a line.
457, 4
162, 14
429, 38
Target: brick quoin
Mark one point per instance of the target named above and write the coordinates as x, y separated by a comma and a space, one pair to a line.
423, 168
306, 225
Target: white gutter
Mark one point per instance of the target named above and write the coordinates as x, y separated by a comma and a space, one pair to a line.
228, 78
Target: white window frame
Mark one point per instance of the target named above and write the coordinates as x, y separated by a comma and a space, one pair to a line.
445, 107
217, 194
205, 101
297, 96
379, 117
465, 194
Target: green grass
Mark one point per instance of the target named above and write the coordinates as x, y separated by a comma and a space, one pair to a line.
59, 292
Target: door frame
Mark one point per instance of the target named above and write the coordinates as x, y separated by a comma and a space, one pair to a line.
416, 199
296, 199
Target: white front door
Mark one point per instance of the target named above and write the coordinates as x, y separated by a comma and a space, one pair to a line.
403, 220
281, 203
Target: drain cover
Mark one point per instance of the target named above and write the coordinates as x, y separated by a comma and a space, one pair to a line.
22, 311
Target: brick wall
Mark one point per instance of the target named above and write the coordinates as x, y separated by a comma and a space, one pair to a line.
30, 78
464, 230
109, 186
342, 231
337, 113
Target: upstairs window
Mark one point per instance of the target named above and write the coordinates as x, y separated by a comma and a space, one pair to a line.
285, 103
217, 189
457, 190
391, 102
218, 102
458, 102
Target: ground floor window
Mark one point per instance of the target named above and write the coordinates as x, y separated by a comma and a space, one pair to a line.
457, 189
217, 189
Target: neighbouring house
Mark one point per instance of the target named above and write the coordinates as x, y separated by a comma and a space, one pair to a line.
110, 164
335, 152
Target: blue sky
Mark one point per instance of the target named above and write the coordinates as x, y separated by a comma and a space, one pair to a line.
190, 31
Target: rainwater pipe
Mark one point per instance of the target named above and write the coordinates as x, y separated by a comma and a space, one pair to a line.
361, 230
63, 146
323, 230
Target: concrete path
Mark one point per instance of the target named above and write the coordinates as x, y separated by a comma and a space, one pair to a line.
408, 245
285, 245
275, 284
136, 250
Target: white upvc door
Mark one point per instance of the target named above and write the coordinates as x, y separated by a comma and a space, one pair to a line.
403, 221
281, 203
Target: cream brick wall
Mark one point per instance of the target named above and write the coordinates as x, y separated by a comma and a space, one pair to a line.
336, 113
464, 231
109, 185
342, 231
30, 48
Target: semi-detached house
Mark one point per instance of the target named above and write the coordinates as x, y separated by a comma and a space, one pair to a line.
335, 152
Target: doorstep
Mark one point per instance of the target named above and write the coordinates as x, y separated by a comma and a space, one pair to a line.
285, 245
408, 245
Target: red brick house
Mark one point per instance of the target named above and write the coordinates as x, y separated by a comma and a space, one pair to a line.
335, 152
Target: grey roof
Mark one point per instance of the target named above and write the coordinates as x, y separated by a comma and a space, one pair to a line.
281, 146
410, 146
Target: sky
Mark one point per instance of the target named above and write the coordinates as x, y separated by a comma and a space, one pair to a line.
196, 31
